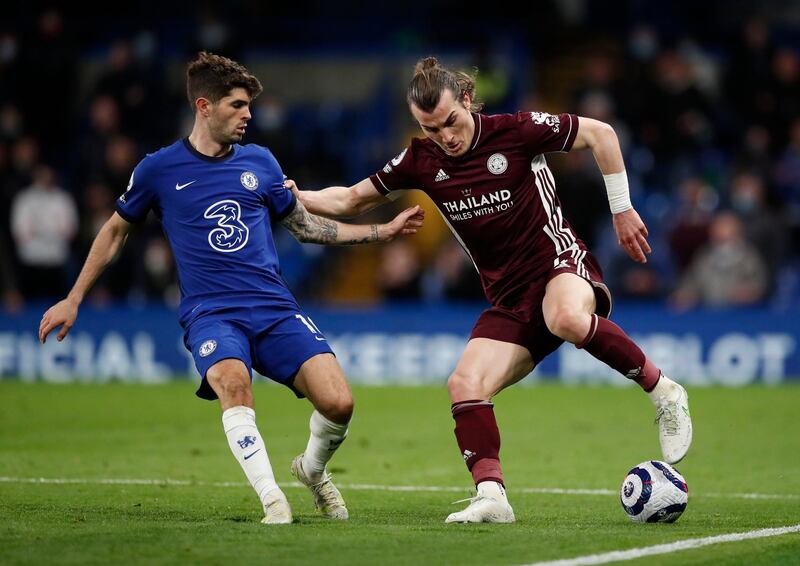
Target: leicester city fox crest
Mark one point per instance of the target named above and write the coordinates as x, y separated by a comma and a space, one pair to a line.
497, 164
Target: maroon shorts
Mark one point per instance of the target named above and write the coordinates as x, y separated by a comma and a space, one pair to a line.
520, 319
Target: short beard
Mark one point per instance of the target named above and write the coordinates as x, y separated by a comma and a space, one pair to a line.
225, 139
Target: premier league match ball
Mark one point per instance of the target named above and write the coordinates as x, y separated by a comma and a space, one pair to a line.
654, 492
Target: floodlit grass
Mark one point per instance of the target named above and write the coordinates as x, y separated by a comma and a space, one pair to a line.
746, 441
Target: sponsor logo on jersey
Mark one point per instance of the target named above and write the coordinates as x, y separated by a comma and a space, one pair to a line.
548, 119
441, 176
396, 161
130, 182
179, 187
231, 233
497, 164
478, 201
249, 180
207, 348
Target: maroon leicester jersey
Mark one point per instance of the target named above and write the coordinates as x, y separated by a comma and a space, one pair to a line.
499, 198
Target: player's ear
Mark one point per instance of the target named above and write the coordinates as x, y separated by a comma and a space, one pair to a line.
202, 106
466, 100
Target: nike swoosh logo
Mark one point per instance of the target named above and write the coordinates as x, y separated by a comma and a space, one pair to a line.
179, 187
246, 457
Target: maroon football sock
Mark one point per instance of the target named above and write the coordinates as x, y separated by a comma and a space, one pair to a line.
478, 439
608, 343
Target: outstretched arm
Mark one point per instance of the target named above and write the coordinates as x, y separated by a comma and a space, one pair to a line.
602, 140
340, 202
106, 244
307, 227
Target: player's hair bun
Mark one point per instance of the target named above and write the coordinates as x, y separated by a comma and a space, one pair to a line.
426, 64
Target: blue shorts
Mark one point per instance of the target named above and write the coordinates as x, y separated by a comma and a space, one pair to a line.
274, 344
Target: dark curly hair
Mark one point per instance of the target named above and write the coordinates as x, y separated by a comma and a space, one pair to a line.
213, 77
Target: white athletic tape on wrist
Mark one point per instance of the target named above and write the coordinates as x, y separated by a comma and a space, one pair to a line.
619, 197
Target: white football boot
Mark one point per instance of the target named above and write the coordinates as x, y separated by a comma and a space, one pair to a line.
489, 506
673, 419
327, 498
276, 509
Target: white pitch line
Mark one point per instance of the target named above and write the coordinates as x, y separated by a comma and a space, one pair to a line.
371, 487
686, 544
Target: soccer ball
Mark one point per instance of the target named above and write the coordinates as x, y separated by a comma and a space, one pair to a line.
654, 492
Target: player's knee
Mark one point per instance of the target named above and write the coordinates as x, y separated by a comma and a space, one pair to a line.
568, 323
231, 390
462, 386
338, 409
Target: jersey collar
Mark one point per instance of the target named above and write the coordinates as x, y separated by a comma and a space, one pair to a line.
204, 157
476, 136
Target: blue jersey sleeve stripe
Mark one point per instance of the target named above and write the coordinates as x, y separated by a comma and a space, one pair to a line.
126, 216
288, 210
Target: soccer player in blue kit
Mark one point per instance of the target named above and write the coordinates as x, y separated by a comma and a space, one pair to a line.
217, 201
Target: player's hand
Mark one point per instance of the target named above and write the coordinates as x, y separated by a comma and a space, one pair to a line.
292, 186
632, 234
61, 314
407, 222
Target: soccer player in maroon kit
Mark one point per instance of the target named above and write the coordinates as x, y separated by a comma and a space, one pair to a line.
489, 178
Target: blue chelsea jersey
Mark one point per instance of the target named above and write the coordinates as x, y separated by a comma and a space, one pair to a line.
217, 213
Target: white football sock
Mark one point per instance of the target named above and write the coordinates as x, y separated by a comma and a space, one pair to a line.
326, 436
248, 448
664, 388
492, 490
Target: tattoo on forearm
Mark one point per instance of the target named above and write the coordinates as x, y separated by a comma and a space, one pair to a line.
315, 229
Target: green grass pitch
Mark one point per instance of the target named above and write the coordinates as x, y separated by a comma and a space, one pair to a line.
747, 441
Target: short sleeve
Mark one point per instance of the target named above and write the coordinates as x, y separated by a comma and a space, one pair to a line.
397, 174
140, 195
545, 133
279, 200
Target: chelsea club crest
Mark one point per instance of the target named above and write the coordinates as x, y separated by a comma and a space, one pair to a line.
249, 180
207, 348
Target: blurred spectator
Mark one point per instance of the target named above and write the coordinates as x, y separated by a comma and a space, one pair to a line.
399, 273
785, 89
452, 276
121, 157
44, 220
582, 195
159, 269
24, 157
50, 55
689, 232
727, 272
10, 297
11, 123
10, 71
762, 227
683, 117
131, 88
104, 124
787, 180
747, 76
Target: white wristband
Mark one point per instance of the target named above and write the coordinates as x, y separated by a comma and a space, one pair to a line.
619, 198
